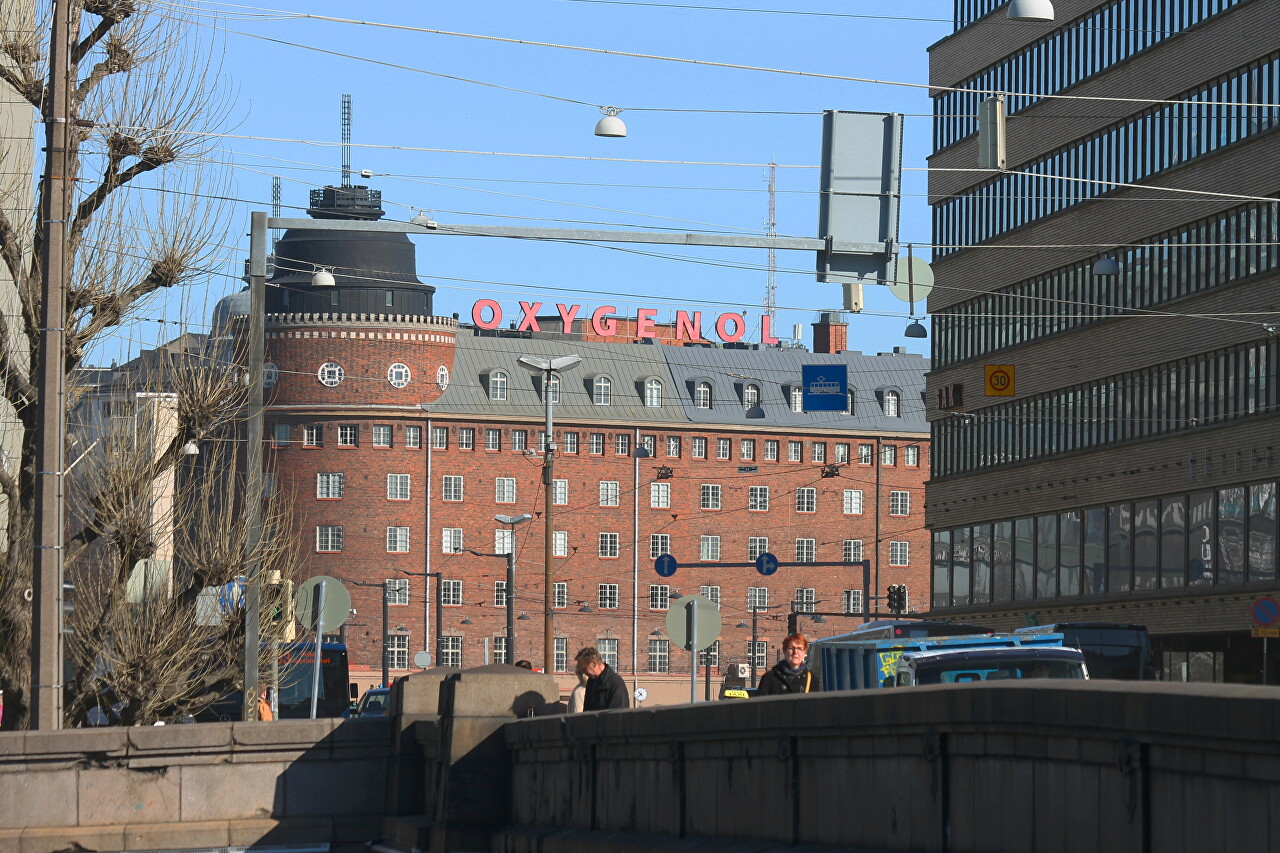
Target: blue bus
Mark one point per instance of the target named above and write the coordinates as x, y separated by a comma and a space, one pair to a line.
293, 701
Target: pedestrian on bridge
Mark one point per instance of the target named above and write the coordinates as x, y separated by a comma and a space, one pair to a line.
792, 673
605, 688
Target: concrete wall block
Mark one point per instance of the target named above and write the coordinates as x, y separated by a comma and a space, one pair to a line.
185, 740
309, 736
177, 836
65, 838
345, 788
67, 748
362, 736
38, 798
252, 791
120, 796
484, 692
271, 831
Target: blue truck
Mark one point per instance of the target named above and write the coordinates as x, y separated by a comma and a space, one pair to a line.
852, 662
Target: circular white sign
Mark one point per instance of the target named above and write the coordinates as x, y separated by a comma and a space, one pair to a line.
422, 659
641, 694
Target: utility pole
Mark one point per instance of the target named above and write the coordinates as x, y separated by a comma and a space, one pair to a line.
253, 462
55, 207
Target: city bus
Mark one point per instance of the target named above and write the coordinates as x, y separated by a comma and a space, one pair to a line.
293, 699
1112, 650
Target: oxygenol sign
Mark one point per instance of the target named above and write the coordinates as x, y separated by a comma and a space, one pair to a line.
730, 326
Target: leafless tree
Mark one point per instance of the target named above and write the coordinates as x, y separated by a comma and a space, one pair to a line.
142, 105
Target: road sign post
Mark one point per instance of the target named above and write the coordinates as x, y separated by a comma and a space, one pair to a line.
693, 623
1266, 614
321, 602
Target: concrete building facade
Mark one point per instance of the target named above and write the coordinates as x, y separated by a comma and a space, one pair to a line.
1104, 434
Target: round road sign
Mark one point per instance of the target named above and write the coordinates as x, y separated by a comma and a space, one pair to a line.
665, 565
766, 564
422, 659
914, 279
708, 626
337, 603
1266, 611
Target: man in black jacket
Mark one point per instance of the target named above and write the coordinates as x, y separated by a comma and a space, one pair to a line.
605, 688
791, 674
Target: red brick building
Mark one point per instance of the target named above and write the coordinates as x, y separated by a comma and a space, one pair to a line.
402, 435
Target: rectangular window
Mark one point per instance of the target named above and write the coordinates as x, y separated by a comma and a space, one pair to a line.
771, 450
709, 547
659, 495
330, 486
747, 449
397, 591
795, 451
853, 550
710, 656
805, 599
807, 499
757, 545
347, 436
450, 593
819, 451
608, 648
723, 448
562, 654
911, 456
866, 454
699, 448
452, 490
711, 593
758, 498
451, 540
439, 438
312, 435
710, 496
648, 442
467, 438
570, 440
560, 492
608, 544
281, 436
806, 550
757, 597
622, 444
542, 441
397, 487
853, 601
504, 540
673, 445
381, 435
493, 439
504, 490
560, 543
659, 656
398, 540
398, 651
852, 504
329, 537
413, 436
560, 595
519, 440
842, 453
898, 553
659, 596
499, 593
888, 455
451, 652
659, 544
596, 443
608, 493
500, 649
756, 651
899, 503
607, 596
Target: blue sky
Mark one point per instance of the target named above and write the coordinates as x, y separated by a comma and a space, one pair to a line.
288, 92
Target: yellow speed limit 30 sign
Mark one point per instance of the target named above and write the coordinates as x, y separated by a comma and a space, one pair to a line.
999, 380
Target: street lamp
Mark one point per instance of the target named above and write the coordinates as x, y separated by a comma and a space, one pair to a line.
511, 521
640, 452
426, 604
548, 367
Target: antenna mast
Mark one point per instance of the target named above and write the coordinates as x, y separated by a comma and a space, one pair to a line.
771, 282
275, 210
346, 141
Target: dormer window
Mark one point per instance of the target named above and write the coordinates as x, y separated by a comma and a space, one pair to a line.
653, 393
750, 396
497, 385
553, 389
601, 391
891, 404
702, 395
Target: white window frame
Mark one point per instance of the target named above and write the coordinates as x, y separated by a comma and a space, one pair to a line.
396, 591
559, 595
702, 395
607, 596
498, 381
659, 655
806, 599
609, 546
757, 598
450, 592
709, 548
451, 540
806, 499
806, 550
348, 435
399, 375
504, 490
313, 435
659, 495
852, 601
329, 538
659, 544
653, 393
398, 487
659, 596
673, 446
747, 449
331, 374
711, 593
610, 494
911, 455
710, 496
492, 439
771, 446
397, 540
601, 391
330, 486
453, 488
795, 451
758, 498
853, 551
559, 543
397, 651
466, 438
451, 651
699, 450
595, 444
899, 554
757, 545
852, 502
413, 436
559, 492
899, 503
724, 448
439, 438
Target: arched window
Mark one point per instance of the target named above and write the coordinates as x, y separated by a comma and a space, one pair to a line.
497, 385
653, 393
891, 404
553, 389
750, 396
848, 403
601, 390
702, 395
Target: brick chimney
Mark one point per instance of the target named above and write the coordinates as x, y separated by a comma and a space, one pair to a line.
830, 333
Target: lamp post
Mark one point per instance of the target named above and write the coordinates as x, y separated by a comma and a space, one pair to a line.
640, 452
426, 604
548, 367
511, 521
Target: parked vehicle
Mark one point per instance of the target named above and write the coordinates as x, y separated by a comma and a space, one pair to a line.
959, 666
376, 702
293, 701
1113, 650
852, 662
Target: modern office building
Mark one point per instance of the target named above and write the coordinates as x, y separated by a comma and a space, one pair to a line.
1103, 396
403, 434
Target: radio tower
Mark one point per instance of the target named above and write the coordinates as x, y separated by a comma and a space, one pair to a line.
346, 141
771, 281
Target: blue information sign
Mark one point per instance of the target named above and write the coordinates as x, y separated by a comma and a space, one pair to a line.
826, 387
665, 566
766, 564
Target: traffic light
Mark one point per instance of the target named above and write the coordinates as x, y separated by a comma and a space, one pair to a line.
897, 598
